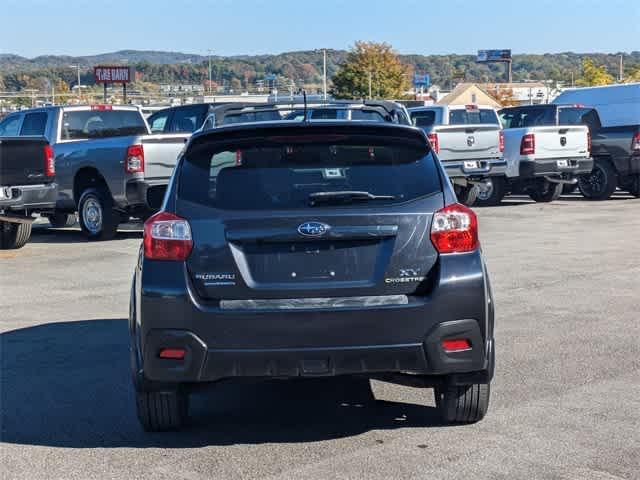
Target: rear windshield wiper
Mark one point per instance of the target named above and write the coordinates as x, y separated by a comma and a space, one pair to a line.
345, 197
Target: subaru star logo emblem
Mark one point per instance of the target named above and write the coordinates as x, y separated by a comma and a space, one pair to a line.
313, 229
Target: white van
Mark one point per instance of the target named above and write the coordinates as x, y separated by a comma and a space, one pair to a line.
618, 105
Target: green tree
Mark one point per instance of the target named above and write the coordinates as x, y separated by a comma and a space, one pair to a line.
371, 70
593, 75
633, 75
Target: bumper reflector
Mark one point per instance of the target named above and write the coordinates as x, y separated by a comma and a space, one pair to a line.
172, 353
456, 345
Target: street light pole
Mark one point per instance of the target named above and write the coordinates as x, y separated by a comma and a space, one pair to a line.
324, 74
370, 73
79, 91
209, 52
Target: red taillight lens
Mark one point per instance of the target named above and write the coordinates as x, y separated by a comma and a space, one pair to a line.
172, 353
528, 144
433, 140
455, 229
501, 141
134, 162
635, 143
167, 237
589, 141
49, 162
456, 345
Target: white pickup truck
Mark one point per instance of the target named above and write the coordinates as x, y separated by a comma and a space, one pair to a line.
541, 154
468, 141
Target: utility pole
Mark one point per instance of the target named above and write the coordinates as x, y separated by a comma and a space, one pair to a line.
621, 70
572, 82
370, 73
209, 52
79, 91
324, 74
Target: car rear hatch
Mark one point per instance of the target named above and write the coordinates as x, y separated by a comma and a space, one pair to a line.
310, 212
23, 161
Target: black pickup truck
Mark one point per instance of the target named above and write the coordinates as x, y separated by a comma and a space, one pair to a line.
27, 186
615, 150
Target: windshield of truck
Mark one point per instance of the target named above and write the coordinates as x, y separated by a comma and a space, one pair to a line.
84, 124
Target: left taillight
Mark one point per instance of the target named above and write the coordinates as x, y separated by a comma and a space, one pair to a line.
167, 237
455, 229
501, 141
134, 161
49, 162
635, 143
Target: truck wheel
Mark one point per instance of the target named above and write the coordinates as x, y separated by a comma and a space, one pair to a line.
493, 195
600, 183
161, 410
546, 191
62, 220
466, 195
632, 185
463, 404
98, 219
14, 235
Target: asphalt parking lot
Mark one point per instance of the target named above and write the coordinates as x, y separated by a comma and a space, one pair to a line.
565, 401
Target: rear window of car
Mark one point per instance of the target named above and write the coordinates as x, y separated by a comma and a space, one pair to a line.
83, 124
477, 116
423, 119
34, 124
527, 117
250, 117
283, 174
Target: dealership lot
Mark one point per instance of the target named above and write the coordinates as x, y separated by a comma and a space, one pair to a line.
565, 403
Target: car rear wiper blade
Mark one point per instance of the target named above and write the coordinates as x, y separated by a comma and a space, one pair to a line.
345, 197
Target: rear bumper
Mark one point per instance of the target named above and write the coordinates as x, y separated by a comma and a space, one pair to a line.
29, 197
486, 168
319, 342
555, 167
147, 193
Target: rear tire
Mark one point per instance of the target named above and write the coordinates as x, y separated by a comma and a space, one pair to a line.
98, 220
14, 235
494, 195
463, 404
466, 195
62, 220
546, 192
159, 411
600, 183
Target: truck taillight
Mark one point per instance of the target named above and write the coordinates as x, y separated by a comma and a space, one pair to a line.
528, 144
501, 141
49, 162
433, 140
134, 160
589, 141
167, 237
635, 143
455, 229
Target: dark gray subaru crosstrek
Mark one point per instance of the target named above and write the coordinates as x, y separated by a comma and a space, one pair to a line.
311, 249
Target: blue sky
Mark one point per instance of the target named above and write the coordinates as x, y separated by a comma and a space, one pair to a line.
228, 27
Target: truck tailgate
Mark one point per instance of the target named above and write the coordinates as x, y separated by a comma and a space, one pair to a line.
560, 141
22, 161
160, 154
468, 142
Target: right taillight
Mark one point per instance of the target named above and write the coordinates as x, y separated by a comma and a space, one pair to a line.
433, 140
635, 143
167, 237
528, 144
455, 229
501, 141
49, 162
589, 141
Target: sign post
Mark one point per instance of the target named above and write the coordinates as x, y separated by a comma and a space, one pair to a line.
496, 56
113, 74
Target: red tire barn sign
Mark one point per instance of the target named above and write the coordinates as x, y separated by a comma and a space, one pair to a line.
112, 74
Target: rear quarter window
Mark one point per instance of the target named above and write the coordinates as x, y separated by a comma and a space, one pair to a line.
250, 176
34, 124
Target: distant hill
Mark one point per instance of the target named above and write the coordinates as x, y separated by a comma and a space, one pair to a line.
302, 68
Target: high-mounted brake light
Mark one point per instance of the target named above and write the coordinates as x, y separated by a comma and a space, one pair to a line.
172, 353
471, 107
49, 162
433, 140
134, 161
528, 144
101, 108
455, 229
635, 143
167, 237
501, 141
456, 345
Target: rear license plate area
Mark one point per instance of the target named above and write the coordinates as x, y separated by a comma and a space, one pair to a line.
562, 163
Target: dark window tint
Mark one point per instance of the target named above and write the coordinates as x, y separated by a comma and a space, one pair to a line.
473, 117
187, 119
527, 117
34, 124
158, 121
250, 117
279, 175
424, 119
82, 124
366, 115
9, 126
579, 116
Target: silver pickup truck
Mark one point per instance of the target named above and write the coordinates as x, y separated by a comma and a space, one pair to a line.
469, 143
108, 165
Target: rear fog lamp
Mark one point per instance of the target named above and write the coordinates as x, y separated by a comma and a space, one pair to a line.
172, 353
456, 345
